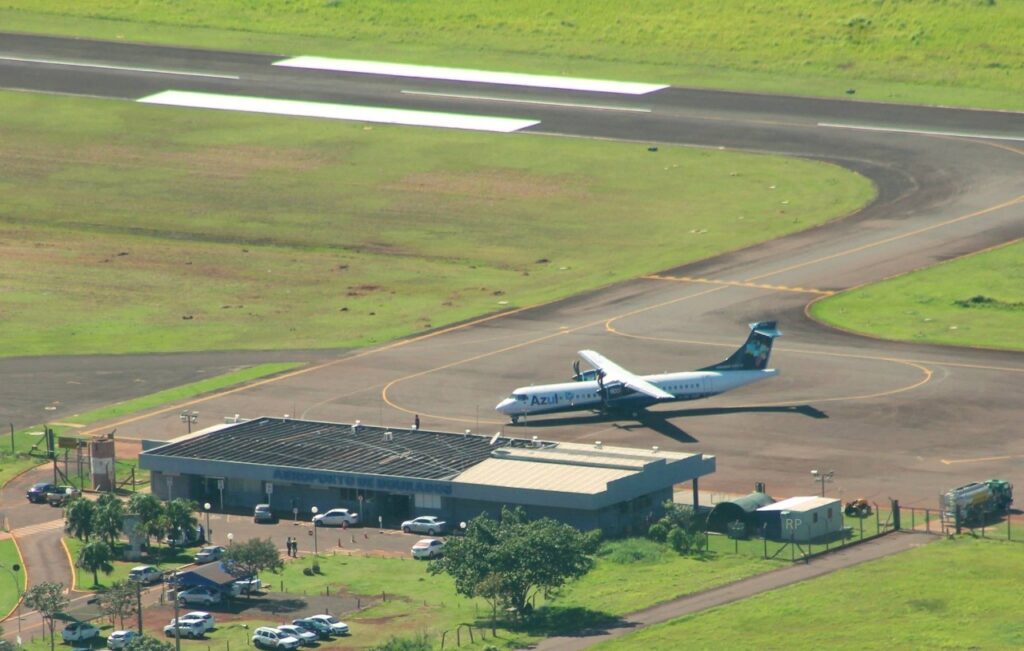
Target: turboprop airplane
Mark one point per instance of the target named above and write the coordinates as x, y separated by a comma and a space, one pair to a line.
609, 387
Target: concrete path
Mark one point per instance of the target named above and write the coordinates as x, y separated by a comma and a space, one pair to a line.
868, 551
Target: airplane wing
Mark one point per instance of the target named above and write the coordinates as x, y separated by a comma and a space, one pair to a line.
614, 372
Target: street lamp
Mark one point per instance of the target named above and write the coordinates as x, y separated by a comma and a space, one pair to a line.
316, 550
823, 477
209, 531
14, 569
189, 417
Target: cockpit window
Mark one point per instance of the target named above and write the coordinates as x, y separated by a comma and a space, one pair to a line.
519, 396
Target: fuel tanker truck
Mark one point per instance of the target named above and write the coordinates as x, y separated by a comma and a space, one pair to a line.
976, 501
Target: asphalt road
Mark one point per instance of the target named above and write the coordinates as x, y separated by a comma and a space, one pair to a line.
891, 419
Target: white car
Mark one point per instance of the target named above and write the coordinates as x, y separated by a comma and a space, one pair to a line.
145, 574
271, 638
246, 586
428, 548
428, 524
302, 635
337, 627
120, 639
336, 518
198, 595
201, 616
191, 629
79, 631
208, 554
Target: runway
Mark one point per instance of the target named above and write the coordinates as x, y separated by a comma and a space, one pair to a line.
890, 419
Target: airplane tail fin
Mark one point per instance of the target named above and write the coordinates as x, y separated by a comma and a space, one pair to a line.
754, 353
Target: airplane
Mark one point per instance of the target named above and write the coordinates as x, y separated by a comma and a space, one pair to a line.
609, 387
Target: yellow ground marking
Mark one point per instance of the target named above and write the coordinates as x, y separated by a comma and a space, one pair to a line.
563, 330
894, 238
739, 283
71, 564
303, 371
949, 462
75, 425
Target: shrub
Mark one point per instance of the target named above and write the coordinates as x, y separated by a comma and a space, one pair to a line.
658, 532
418, 642
631, 550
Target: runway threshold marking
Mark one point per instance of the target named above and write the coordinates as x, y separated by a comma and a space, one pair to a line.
104, 66
469, 75
406, 117
512, 100
920, 132
739, 283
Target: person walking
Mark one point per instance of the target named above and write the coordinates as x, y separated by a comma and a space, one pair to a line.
416, 422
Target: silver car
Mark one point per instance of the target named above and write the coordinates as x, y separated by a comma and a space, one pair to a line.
428, 524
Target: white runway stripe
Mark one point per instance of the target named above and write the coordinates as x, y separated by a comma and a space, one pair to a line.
104, 66
922, 132
464, 74
337, 111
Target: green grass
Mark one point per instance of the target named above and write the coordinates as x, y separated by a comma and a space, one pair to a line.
963, 52
959, 593
24, 457
141, 228
977, 300
165, 558
12, 583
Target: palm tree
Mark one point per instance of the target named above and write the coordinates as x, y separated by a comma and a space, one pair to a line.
181, 516
81, 518
96, 556
109, 520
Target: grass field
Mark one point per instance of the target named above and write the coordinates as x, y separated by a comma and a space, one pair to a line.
963, 52
977, 300
29, 444
12, 583
170, 558
139, 228
950, 594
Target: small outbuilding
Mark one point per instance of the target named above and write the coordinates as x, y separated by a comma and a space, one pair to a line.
211, 575
802, 519
742, 509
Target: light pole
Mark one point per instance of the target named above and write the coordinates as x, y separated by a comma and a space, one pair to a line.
209, 531
189, 417
823, 477
14, 569
316, 550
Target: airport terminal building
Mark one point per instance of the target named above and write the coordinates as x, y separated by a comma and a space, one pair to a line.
394, 474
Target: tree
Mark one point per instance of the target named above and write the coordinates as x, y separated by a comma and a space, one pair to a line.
510, 560
146, 643
95, 557
49, 599
109, 520
119, 601
681, 527
81, 518
181, 516
150, 512
252, 557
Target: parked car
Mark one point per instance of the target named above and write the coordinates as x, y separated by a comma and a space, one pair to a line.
186, 537
200, 616
78, 632
246, 586
336, 518
428, 548
61, 495
188, 628
262, 513
208, 554
314, 626
306, 638
428, 524
37, 493
199, 595
145, 574
271, 638
120, 639
337, 627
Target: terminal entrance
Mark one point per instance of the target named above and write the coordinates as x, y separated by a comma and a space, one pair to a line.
394, 508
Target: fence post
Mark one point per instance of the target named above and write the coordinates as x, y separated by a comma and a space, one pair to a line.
765, 547
1009, 516
913, 518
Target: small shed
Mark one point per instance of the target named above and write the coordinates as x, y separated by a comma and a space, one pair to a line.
743, 509
211, 575
802, 519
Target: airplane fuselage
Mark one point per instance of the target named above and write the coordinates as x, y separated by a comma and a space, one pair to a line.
587, 394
